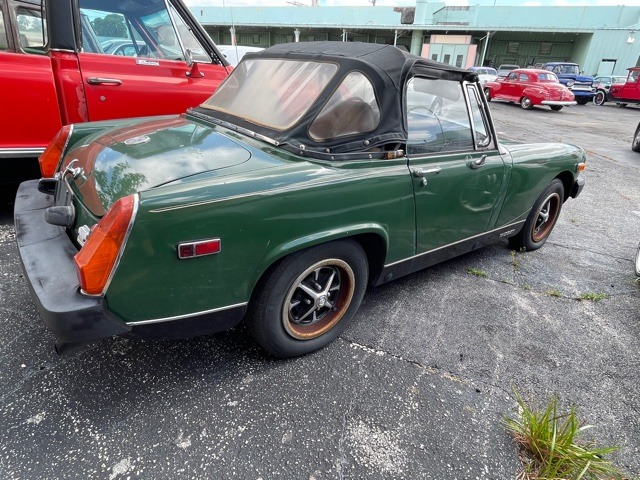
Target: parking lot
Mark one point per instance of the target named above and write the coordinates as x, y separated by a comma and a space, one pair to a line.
415, 388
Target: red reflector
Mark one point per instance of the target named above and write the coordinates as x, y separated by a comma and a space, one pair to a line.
186, 251
198, 249
207, 248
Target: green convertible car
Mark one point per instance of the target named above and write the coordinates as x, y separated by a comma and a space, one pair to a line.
315, 170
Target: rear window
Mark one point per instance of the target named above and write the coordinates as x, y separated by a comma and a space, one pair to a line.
31, 29
351, 110
547, 77
272, 92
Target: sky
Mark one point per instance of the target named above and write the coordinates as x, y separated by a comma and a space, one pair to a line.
393, 3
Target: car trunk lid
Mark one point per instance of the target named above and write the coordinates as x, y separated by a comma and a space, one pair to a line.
145, 156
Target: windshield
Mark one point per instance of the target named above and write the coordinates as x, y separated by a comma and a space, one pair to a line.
272, 92
567, 69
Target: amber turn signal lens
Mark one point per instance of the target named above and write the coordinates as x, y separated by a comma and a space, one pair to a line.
97, 257
580, 167
52, 155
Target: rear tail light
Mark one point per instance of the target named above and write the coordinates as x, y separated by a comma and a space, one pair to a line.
52, 155
97, 258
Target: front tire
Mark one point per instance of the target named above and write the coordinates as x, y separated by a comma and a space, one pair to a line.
307, 300
487, 94
635, 144
541, 219
525, 103
600, 98
582, 100
556, 108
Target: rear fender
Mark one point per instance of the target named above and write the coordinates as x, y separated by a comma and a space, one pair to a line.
534, 93
358, 232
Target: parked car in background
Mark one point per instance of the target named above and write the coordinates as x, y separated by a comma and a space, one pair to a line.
314, 171
569, 75
485, 74
125, 48
234, 53
604, 82
622, 93
503, 70
530, 87
96, 60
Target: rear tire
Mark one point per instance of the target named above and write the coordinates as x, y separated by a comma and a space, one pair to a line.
600, 98
541, 219
487, 94
556, 108
308, 299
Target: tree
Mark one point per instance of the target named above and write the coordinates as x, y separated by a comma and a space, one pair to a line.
111, 25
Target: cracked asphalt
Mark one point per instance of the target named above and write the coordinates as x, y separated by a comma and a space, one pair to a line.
415, 388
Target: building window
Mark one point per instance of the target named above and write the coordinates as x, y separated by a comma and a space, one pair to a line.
513, 47
459, 60
256, 39
545, 48
447, 59
434, 57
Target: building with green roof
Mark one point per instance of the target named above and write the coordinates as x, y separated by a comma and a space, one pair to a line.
601, 39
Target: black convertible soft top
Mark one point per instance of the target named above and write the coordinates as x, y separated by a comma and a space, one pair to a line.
387, 67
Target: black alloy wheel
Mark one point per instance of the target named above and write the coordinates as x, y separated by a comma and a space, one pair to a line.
541, 219
307, 299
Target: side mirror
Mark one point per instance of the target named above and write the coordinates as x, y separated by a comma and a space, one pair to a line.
188, 57
194, 71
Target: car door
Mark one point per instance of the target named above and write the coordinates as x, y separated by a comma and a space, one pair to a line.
28, 100
510, 88
457, 170
631, 89
147, 73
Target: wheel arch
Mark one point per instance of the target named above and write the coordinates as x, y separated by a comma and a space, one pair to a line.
567, 182
372, 238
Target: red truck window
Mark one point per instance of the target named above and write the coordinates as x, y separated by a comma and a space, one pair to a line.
4, 43
31, 29
137, 32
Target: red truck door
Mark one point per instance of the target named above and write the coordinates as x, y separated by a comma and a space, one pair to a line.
28, 95
631, 89
135, 61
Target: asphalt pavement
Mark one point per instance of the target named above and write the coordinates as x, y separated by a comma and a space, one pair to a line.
415, 388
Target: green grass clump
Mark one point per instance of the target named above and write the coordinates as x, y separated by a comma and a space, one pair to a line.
594, 297
550, 448
553, 292
477, 272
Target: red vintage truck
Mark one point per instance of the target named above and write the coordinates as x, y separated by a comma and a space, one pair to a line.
69, 61
622, 93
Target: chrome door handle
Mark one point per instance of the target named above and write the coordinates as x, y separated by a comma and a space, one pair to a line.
423, 172
103, 81
478, 162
